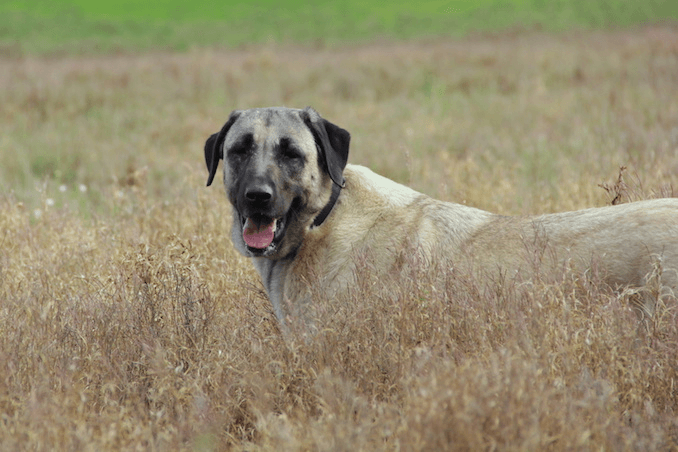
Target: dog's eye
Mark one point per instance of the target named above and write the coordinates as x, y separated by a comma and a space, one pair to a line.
288, 151
242, 146
292, 154
238, 150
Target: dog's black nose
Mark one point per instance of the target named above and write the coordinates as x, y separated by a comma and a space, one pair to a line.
259, 194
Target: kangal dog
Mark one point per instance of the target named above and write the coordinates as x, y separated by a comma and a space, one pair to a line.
301, 213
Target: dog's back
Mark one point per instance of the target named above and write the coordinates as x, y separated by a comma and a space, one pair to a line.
625, 244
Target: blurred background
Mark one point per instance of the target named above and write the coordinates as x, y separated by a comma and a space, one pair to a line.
534, 96
80, 26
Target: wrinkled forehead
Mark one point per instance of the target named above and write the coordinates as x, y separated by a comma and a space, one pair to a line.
269, 125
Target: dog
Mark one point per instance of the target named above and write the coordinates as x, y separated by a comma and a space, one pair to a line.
301, 213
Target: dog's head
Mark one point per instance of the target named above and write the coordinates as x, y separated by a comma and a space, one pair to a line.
280, 166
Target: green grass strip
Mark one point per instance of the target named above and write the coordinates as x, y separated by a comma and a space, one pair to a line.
83, 26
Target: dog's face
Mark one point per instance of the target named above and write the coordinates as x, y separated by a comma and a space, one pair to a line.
279, 167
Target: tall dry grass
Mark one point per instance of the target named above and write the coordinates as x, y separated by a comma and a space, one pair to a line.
128, 322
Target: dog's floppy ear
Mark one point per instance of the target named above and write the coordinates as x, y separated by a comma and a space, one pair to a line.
332, 142
214, 145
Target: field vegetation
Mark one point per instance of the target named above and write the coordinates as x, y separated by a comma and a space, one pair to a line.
86, 27
128, 321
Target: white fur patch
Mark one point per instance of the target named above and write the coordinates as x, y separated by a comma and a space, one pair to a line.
395, 194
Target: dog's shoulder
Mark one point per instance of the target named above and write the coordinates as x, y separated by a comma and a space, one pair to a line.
363, 182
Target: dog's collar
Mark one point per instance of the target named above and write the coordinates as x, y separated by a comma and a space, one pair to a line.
322, 216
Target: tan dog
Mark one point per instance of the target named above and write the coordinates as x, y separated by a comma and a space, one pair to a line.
301, 213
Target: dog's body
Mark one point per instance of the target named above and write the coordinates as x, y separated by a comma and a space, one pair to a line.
304, 215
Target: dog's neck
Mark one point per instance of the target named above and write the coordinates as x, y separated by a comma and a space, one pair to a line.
336, 190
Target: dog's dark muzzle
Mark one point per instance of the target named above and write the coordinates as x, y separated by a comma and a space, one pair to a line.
258, 197
262, 217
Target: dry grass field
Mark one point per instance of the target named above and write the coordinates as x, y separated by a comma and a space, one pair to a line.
128, 322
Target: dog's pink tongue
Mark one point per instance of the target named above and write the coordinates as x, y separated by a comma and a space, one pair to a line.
258, 237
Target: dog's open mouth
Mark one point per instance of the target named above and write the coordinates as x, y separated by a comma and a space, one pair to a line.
260, 233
